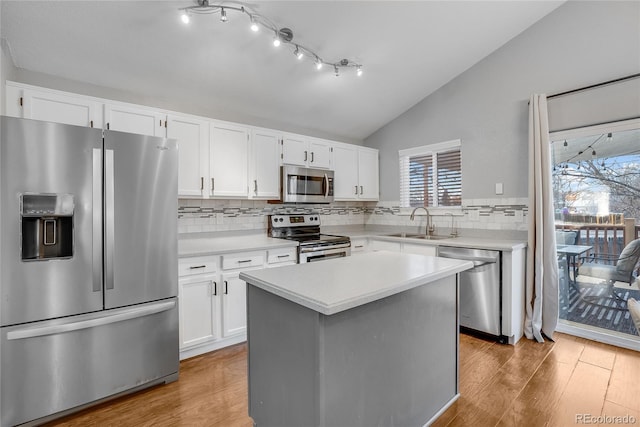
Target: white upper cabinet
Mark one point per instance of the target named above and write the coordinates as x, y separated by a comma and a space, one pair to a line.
308, 152
345, 178
192, 135
134, 119
52, 106
356, 173
229, 160
265, 165
368, 174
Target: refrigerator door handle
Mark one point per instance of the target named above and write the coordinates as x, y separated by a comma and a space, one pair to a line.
121, 316
97, 220
109, 218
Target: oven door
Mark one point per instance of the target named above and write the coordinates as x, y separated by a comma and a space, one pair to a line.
304, 185
321, 254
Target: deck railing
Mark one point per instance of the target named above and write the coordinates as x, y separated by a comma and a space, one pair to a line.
607, 241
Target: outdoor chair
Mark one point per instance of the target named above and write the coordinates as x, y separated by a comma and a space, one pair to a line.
634, 309
622, 271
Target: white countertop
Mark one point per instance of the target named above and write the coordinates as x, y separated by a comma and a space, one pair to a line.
479, 242
202, 246
332, 286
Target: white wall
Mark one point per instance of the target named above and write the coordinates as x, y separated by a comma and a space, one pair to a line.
7, 71
579, 44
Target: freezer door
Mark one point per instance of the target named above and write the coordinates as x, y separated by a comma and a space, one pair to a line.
141, 218
60, 163
56, 365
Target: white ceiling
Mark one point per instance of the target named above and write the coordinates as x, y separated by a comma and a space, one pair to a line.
408, 49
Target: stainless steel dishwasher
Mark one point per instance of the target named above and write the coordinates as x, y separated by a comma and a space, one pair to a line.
480, 302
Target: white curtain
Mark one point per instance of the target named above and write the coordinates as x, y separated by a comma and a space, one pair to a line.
542, 265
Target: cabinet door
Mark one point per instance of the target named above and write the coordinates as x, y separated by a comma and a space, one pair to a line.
412, 248
234, 304
60, 108
359, 245
193, 153
345, 164
265, 182
295, 151
320, 155
385, 245
229, 160
132, 119
198, 311
368, 173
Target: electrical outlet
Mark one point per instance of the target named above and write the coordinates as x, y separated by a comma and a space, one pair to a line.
499, 188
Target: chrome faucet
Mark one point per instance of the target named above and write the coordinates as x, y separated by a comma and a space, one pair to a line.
430, 228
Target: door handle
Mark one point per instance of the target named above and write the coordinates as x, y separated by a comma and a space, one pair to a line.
305, 156
97, 219
356, 190
110, 218
312, 157
226, 287
361, 190
326, 186
215, 288
212, 184
255, 186
131, 313
201, 183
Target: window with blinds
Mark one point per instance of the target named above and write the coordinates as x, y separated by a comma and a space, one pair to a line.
431, 175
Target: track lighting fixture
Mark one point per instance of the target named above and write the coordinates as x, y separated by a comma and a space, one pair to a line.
282, 35
609, 137
566, 144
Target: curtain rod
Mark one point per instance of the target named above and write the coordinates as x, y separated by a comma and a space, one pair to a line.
633, 76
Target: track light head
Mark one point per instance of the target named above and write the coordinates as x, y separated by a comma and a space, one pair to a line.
223, 15
185, 17
359, 71
254, 24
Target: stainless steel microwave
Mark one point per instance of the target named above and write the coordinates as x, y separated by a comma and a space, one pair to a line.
305, 185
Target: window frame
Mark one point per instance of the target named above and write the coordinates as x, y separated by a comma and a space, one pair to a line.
433, 150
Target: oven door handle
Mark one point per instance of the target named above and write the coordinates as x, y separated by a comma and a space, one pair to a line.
324, 248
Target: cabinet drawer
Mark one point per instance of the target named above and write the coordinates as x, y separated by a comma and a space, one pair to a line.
359, 245
243, 260
276, 256
197, 265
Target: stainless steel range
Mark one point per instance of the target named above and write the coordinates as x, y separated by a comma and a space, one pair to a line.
305, 229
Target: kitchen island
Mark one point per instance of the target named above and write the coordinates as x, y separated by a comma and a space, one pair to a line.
370, 340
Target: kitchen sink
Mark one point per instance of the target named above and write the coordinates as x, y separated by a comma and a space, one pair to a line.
418, 236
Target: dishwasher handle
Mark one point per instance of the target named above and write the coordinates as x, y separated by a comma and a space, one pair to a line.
477, 260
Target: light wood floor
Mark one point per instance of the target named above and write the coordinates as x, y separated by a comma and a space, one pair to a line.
530, 384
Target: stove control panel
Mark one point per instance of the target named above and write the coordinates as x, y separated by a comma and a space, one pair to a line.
295, 220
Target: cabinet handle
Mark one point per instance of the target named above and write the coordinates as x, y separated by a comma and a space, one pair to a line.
305, 156
212, 184
91, 123
255, 186
359, 246
356, 190
196, 267
361, 190
312, 157
226, 287
201, 183
243, 261
284, 256
215, 288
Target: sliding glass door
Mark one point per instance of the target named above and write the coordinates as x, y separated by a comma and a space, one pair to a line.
596, 178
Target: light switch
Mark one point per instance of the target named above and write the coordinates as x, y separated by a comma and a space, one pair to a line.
499, 188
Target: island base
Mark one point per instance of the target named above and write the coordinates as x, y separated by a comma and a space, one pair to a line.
393, 361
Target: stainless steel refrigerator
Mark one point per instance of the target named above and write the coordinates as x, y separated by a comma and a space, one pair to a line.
88, 266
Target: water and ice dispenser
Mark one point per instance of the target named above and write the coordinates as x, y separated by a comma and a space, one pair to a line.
47, 226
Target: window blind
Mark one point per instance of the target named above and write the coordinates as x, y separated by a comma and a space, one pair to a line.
431, 176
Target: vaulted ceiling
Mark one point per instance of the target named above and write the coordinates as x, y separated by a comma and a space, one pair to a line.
408, 50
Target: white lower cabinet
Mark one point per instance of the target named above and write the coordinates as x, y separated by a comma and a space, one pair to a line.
213, 299
413, 248
198, 310
385, 245
359, 245
234, 304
